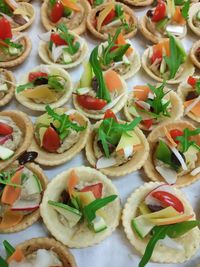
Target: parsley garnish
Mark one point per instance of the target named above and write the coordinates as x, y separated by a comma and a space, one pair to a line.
110, 132
73, 47
185, 9
65, 123
108, 56
185, 141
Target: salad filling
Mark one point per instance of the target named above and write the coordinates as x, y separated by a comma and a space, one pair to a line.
7, 85
153, 104
95, 3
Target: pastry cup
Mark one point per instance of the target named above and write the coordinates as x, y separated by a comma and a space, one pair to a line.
190, 241
26, 127
81, 237
192, 12
30, 10
138, 3
31, 218
48, 25
11, 78
175, 113
44, 55
53, 159
40, 106
183, 89
19, 60
150, 35
153, 137
188, 70
193, 57
99, 114
30, 246
135, 163
92, 14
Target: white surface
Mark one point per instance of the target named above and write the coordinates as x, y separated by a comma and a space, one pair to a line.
115, 251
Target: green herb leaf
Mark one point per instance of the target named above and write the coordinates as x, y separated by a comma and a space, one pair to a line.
197, 86
8, 248
185, 9
12, 44
98, 2
89, 211
54, 83
185, 139
23, 87
110, 132
3, 263
4, 8
102, 92
52, 2
181, 228
179, 2
5, 178
119, 11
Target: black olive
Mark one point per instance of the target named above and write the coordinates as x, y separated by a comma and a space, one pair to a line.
19, 19
149, 13
95, 84
64, 198
175, 160
197, 54
110, 147
191, 95
154, 208
27, 156
97, 14
40, 81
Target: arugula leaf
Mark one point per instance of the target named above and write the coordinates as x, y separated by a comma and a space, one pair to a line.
89, 211
185, 139
185, 9
52, 2
160, 232
197, 86
23, 87
119, 11
179, 2
175, 59
102, 92
54, 83
8, 248
4, 8
3, 263
97, 2
12, 44
69, 39
110, 132
5, 178
65, 123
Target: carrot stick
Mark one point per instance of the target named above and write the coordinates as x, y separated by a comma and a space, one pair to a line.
72, 182
71, 5
169, 138
16, 256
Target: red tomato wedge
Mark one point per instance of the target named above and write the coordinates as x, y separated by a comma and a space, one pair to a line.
157, 54
159, 12
110, 114
96, 189
167, 199
148, 123
192, 81
5, 129
90, 102
5, 27
175, 133
57, 12
51, 140
109, 17
57, 40
35, 75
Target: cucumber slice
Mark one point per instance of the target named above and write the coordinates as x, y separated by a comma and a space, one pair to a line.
86, 77
82, 90
180, 48
5, 153
162, 23
13, 51
72, 215
163, 66
142, 226
99, 224
33, 185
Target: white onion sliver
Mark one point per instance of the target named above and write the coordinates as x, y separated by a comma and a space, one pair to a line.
44, 68
179, 157
170, 243
26, 204
57, 51
69, 112
168, 174
112, 103
143, 104
14, 3
104, 162
116, 22
195, 171
149, 200
128, 151
45, 36
192, 105
177, 30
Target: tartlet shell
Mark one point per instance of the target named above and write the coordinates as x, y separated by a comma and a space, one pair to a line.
187, 71
138, 3
53, 159
25, 125
192, 12
116, 108
132, 165
193, 58
48, 25
85, 237
32, 18
158, 132
101, 36
152, 37
10, 94
44, 55
32, 245
190, 241
39, 106
31, 218
21, 58
176, 111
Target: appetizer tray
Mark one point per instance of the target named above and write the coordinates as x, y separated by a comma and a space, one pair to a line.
114, 251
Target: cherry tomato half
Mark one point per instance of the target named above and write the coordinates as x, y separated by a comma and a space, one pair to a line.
57, 40
90, 102
175, 133
96, 189
35, 75
57, 12
110, 114
5, 27
51, 140
109, 17
167, 200
159, 12
157, 54
192, 81
5, 129
148, 123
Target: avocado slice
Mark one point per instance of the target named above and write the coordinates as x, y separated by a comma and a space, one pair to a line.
99, 224
5, 153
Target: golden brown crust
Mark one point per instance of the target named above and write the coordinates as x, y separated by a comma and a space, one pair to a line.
21, 58
48, 25
31, 218
193, 57
101, 36
25, 125
10, 94
153, 137
31, 11
135, 163
53, 159
192, 13
32, 245
138, 3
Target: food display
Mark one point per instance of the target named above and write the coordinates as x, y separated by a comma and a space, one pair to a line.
99, 133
